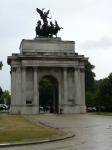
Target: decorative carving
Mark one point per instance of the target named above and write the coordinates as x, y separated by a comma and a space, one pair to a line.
46, 29
82, 69
13, 69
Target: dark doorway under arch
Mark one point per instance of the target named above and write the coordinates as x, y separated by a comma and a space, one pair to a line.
48, 94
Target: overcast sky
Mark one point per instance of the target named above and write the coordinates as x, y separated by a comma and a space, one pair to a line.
87, 22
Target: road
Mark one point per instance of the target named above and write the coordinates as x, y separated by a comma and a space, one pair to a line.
92, 132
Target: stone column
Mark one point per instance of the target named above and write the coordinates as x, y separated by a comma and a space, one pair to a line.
59, 93
18, 86
36, 93
77, 85
23, 85
83, 86
65, 87
13, 85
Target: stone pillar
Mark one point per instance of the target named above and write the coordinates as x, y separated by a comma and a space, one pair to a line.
36, 93
59, 93
65, 87
77, 83
13, 85
83, 86
18, 86
23, 86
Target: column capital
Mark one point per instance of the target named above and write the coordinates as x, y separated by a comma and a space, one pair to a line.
76, 69
65, 68
23, 67
35, 67
13, 69
82, 69
18, 68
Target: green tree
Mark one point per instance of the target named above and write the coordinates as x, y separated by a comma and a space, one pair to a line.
89, 76
45, 92
1, 92
1, 65
104, 93
5, 97
89, 83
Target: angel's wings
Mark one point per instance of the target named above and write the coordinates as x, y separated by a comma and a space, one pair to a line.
40, 12
47, 12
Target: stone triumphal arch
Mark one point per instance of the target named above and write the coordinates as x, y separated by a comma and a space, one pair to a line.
50, 58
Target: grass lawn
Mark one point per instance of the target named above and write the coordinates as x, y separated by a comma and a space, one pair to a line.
15, 128
103, 113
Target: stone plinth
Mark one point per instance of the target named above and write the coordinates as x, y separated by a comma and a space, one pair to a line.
47, 45
56, 60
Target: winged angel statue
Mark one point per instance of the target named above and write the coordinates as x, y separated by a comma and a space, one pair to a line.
46, 29
43, 15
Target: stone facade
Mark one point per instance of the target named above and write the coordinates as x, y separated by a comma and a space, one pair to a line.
51, 57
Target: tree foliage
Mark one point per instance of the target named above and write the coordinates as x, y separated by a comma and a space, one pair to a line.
45, 92
5, 97
1, 92
89, 83
1, 65
104, 93
89, 76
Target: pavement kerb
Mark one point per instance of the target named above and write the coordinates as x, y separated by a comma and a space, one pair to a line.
66, 135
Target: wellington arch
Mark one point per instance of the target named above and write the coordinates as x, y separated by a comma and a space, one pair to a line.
47, 58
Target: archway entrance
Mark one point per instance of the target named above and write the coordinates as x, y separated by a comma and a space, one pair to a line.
48, 95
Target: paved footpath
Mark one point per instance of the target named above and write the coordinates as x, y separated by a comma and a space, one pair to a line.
92, 133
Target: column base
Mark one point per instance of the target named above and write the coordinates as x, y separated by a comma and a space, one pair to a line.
25, 110
74, 109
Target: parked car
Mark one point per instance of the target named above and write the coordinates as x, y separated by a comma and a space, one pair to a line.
41, 108
3, 107
91, 109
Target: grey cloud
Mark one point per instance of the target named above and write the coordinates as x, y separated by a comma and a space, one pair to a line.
103, 43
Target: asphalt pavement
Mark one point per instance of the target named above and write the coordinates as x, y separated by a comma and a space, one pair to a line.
92, 132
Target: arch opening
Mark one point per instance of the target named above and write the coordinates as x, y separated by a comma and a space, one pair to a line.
48, 95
